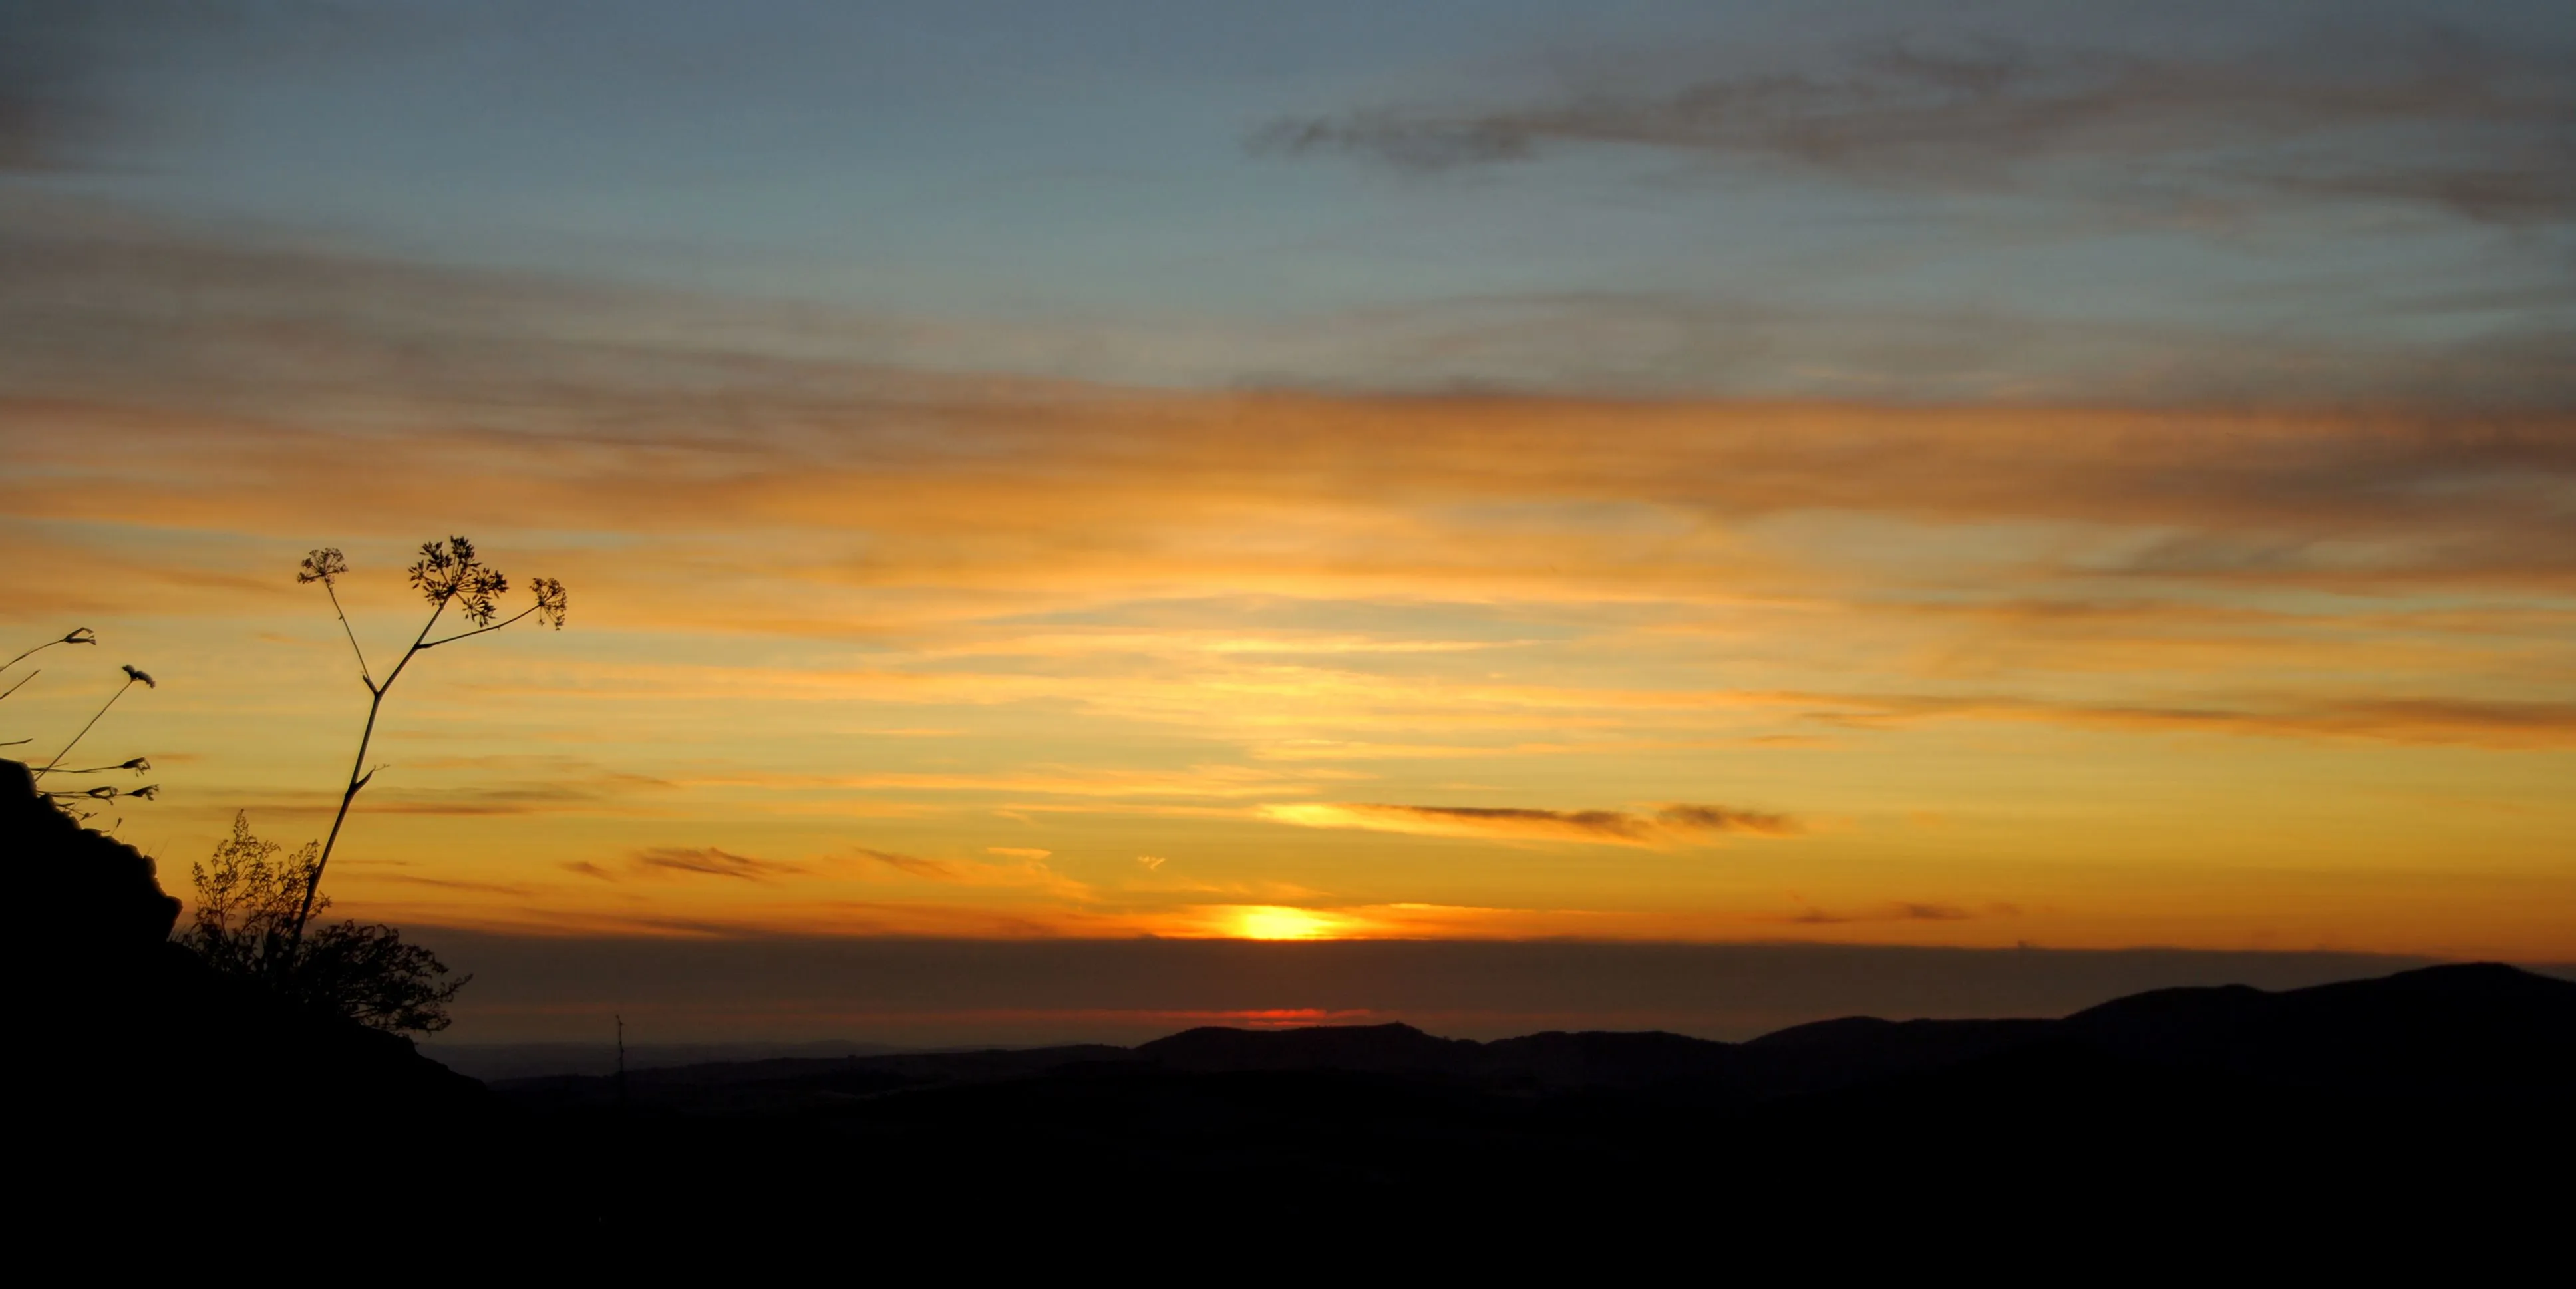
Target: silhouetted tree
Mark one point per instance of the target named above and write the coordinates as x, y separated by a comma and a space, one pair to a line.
248, 901
448, 575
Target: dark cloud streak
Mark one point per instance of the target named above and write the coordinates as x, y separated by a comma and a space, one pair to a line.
711, 862
2433, 116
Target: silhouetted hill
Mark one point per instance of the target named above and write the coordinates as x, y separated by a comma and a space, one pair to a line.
1366, 1049
2485, 1032
1595, 1059
492, 1062
2372, 1110
2472, 1029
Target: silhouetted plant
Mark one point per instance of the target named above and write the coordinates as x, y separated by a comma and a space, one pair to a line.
132, 678
448, 575
248, 903
69, 799
77, 635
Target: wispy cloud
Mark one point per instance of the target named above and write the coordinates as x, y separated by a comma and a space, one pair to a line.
909, 865
1899, 911
2434, 116
2401, 720
708, 861
1029, 873
1673, 823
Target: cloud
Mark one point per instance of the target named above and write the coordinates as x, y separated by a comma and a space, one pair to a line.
41, 70
1151, 863
711, 862
1900, 911
2434, 721
912, 865
1018, 852
70, 70
1029, 874
453, 884
2433, 116
1694, 818
1673, 823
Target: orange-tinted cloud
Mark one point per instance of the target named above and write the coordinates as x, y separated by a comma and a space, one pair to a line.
708, 861
1610, 827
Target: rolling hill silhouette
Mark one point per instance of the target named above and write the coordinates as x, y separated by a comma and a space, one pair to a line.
2480, 1031
2424, 1096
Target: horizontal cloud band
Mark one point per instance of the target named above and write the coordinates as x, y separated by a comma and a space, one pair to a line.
1670, 824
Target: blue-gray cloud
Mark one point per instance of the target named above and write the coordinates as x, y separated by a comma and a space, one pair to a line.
2434, 116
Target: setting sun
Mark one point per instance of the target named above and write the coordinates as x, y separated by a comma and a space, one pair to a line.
1276, 922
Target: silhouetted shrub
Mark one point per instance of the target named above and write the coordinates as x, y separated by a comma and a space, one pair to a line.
248, 900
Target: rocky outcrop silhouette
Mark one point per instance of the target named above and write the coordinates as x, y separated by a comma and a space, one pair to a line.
123, 1029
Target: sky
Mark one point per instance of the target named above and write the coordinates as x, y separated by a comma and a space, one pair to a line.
1970, 477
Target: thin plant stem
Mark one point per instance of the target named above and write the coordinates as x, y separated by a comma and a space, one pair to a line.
480, 630
347, 630
22, 680
103, 769
358, 773
75, 637
84, 730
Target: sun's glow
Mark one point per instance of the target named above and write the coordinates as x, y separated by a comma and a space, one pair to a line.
1278, 922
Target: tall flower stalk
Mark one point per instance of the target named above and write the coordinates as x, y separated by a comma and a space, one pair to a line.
448, 575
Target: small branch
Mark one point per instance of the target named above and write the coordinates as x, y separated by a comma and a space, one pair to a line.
22, 680
480, 630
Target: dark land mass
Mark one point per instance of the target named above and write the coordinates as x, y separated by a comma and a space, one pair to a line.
2427, 1106
2434, 1100
497, 1062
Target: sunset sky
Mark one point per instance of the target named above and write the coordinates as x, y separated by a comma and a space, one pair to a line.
2081, 476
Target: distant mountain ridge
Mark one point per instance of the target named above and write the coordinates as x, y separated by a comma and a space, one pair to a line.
2465, 1029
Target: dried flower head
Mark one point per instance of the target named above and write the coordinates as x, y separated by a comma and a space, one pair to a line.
322, 565
133, 675
550, 602
79, 635
451, 572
